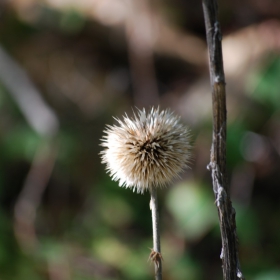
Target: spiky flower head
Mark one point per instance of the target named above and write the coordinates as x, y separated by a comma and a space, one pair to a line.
146, 151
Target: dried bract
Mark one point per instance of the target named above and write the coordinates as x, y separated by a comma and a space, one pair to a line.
146, 151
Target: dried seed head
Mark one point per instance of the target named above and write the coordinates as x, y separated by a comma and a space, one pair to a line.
147, 151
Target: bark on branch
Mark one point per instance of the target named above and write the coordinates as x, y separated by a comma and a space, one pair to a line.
226, 213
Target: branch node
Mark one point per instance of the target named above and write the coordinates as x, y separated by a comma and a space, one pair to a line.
240, 275
155, 257
220, 195
217, 31
222, 254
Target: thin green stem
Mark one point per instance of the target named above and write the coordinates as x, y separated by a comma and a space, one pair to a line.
155, 255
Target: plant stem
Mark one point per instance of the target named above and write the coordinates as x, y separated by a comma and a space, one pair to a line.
226, 213
155, 255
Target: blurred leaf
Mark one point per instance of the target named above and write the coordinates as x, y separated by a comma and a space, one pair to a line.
269, 275
132, 261
21, 142
235, 132
51, 249
27, 270
247, 226
72, 21
69, 149
115, 211
265, 84
193, 209
186, 268
111, 250
136, 267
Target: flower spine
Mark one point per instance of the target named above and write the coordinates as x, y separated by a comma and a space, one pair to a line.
146, 151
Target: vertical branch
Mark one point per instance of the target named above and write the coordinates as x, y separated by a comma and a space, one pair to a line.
226, 213
155, 255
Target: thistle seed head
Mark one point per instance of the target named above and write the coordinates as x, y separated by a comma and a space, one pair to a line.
146, 151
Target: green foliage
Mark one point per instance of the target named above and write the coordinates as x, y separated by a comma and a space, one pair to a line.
247, 220
192, 207
72, 22
269, 275
20, 143
235, 133
265, 83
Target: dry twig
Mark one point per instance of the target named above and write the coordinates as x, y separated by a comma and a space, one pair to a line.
229, 254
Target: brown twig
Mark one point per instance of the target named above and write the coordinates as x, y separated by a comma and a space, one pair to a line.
229, 254
30, 197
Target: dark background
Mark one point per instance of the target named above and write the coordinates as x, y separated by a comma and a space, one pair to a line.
66, 68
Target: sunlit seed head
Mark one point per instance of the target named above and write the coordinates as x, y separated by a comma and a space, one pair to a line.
146, 151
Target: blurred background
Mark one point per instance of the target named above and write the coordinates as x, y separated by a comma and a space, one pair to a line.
66, 68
